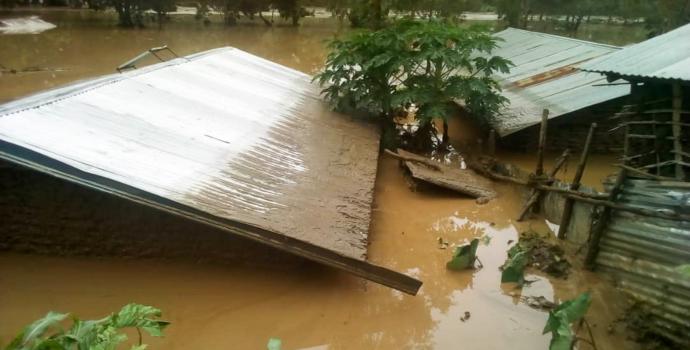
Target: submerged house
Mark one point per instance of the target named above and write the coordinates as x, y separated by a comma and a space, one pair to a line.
219, 155
649, 255
545, 76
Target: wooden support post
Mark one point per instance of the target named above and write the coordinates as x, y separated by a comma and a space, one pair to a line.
492, 142
535, 193
575, 185
598, 229
542, 143
677, 144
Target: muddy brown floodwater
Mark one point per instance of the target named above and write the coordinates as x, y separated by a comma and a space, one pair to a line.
226, 307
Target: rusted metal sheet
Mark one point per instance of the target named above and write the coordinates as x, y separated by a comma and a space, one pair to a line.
221, 137
546, 75
644, 253
666, 56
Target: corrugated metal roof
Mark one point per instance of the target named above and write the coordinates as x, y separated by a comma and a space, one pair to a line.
666, 56
545, 76
222, 137
643, 253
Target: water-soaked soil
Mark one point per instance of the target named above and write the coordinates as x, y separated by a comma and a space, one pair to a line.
219, 307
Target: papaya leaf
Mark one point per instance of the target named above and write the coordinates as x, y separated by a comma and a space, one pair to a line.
464, 256
140, 316
35, 330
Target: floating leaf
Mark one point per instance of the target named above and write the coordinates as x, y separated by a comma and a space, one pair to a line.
464, 256
562, 317
35, 330
514, 268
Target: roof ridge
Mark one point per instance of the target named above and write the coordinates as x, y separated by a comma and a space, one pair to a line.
593, 43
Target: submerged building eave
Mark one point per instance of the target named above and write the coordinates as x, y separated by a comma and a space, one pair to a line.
223, 138
546, 75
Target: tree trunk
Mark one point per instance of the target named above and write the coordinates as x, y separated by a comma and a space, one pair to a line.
446, 139
266, 21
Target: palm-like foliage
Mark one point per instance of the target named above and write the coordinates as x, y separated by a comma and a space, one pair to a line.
428, 64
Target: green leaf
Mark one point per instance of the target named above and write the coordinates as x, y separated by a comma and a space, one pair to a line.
140, 316
561, 318
35, 330
514, 268
274, 344
464, 256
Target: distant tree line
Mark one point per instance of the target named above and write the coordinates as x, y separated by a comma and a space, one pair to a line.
658, 15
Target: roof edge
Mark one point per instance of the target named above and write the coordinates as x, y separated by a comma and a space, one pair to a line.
560, 37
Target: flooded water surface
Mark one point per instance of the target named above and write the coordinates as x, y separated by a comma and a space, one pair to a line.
221, 307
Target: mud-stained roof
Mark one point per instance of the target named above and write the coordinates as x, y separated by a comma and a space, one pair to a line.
221, 137
666, 56
545, 76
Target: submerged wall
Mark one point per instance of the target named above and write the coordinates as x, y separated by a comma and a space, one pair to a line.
43, 214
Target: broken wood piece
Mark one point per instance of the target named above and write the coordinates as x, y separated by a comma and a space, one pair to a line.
411, 157
598, 229
542, 142
464, 181
535, 194
575, 185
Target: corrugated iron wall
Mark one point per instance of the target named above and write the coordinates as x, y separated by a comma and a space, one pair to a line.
643, 253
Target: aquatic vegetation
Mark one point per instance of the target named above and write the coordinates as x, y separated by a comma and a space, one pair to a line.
464, 256
104, 334
533, 250
561, 318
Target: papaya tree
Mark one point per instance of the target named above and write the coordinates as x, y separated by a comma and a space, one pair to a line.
426, 66
106, 333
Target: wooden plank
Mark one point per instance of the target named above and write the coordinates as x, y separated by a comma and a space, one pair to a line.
677, 145
464, 181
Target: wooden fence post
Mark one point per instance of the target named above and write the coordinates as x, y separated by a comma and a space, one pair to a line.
575, 185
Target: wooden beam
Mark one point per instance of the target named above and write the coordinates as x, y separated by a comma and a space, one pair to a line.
644, 173
598, 230
535, 193
677, 145
542, 143
575, 185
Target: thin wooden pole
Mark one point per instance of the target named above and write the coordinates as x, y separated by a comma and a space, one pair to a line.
598, 229
677, 144
575, 185
535, 193
542, 143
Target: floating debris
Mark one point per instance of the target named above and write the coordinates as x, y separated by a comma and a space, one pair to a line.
539, 303
466, 316
464, 256
541, 254
24, 25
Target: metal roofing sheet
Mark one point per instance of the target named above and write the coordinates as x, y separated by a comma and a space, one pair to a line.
643, 253
545, 76
666, 56
222, 137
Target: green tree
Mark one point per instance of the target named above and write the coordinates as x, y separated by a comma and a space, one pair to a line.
428, 65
